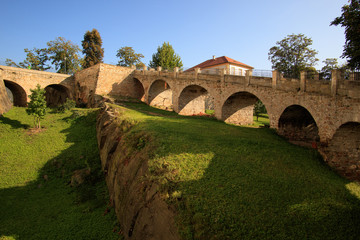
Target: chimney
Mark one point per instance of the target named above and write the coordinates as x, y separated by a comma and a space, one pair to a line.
213, 57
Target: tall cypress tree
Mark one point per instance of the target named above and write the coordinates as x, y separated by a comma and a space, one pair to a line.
92, 49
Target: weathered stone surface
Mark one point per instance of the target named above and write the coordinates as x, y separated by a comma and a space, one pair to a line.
5, 103
19, 81
138, 205
330, 104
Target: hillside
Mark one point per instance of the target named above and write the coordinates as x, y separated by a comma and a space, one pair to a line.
37, 198
222, 181
231, 182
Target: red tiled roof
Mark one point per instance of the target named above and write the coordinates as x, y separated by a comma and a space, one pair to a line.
218, 61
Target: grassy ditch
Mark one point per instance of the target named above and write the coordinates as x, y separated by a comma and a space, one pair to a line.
231, 182
37, 200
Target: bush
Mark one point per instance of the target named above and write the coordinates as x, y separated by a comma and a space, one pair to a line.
67, 105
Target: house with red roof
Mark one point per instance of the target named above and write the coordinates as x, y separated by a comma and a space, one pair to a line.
214, 65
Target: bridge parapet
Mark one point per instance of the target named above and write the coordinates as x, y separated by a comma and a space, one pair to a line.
337, 85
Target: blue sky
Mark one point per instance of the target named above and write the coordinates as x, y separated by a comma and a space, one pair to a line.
197, 29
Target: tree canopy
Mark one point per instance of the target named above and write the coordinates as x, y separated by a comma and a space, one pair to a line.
36, 59
166, 58
128, 57
293, 55
330, 64
64, 55
350, 19
37, 105
92, 48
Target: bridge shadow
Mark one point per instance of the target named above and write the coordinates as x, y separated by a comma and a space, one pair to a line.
48, 207
246, 183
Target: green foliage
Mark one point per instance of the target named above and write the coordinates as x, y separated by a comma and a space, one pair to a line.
92, 49
11, 63
350, 19
37, 105
166, 58
36, 59
258, 109
293, 55
330, 64
36, 201
64, 55
128, 57
232, 182
67, 105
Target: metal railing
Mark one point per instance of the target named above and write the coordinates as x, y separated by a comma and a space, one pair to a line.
262, 73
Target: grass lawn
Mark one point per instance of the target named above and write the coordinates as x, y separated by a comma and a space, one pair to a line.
36, 200
231, 182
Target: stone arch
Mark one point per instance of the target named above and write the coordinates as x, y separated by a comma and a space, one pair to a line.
56, 94
238, 108
135, 89
343, 150
160, 95
18, 93
193, 100
297, 124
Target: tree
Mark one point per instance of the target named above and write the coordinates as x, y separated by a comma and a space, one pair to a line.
330, 64
91, 44
128, 57
293, 55
259, 108
11, 63
350, 19
64, 55
37, 105
36, 59
166, 58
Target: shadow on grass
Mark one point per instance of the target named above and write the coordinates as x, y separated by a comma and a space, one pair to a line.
15, 124
49, 208
248, 183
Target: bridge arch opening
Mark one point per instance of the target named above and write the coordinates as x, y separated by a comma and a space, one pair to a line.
195, 100
343, 150
297, 124
137, 90
241, 107
18, 95
160, 95
56, 94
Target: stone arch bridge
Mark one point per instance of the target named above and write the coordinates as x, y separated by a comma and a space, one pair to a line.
18, 83
321, 112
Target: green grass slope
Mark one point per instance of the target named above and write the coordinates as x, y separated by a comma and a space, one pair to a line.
231, 182
36, 200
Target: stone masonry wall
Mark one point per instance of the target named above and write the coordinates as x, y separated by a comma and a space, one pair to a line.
28, 79
192, 100
117, 81
160, 95
343, 151
239, 109
5, 103
85, 85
